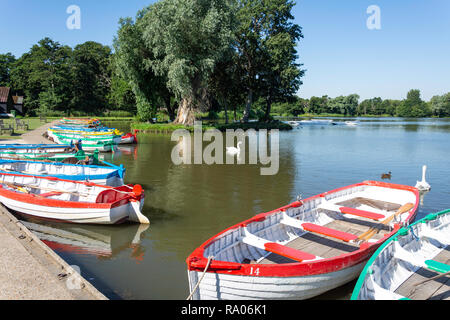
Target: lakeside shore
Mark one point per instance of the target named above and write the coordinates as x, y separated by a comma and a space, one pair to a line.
29, 269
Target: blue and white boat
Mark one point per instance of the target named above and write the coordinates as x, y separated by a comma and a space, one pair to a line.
34, 148
109, 175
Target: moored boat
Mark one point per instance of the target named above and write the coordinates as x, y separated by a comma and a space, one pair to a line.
34, 148
90, 144
129, 138
78, 157
71, 201
410, 265
110, 175
303, 249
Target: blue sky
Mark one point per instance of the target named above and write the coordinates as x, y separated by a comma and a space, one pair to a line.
341, 55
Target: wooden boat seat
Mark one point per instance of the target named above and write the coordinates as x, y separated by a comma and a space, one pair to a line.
50, 194
351, 211
311, 227
276, 248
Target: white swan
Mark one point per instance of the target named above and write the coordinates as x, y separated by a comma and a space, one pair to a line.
423, 185
233, 151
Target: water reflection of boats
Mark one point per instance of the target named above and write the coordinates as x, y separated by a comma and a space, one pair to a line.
102, 242
127, 149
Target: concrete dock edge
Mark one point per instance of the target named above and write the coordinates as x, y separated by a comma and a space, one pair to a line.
36, 273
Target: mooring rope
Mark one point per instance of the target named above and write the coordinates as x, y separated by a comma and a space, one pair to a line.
201, 278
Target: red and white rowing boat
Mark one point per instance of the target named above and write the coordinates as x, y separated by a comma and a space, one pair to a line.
129, 138
303, 249
71, 201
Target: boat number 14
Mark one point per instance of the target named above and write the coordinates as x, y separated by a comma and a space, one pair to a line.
254, 271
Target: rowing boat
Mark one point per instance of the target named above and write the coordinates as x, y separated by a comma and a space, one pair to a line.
129, 138
303, 249
71, 201
68, 138
102, 145
92, 158
411, 265
110, 175
33, 148
83, 133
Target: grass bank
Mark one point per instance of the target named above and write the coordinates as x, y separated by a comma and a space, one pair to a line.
169, 128
33, 123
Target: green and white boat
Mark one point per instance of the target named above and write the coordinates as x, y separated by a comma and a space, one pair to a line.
414, 264
90, 144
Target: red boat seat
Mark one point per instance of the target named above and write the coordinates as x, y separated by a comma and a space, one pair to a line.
50, 194
287, 252
344, 236
269, 246
362, 213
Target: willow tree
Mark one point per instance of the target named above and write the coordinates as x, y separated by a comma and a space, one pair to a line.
187, 39
130, 64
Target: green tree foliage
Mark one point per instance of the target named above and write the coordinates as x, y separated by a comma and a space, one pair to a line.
346, 105
281, 75
90, 77
413, 106
266, 42
132, 63
43, 75
440, 105
56, 79
6, 64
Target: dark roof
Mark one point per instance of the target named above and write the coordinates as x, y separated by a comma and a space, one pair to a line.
4, 93
18, 99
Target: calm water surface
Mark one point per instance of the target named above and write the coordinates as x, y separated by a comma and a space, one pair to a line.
188, 204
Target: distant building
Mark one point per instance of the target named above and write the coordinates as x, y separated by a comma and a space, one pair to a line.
6, 100
18, 104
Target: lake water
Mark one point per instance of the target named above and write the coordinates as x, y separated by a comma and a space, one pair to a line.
188, 204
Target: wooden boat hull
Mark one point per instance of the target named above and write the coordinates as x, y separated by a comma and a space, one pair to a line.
116, 215
129, 138
33, 148
71, 201
234, 287
405, 260
240, 269
110, 175
101, 146
52, 157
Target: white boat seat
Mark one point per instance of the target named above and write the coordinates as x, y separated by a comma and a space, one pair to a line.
407, 256
276, 248
384, 294
431, 234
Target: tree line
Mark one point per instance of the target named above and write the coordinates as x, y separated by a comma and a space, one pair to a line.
412, 106
182, 57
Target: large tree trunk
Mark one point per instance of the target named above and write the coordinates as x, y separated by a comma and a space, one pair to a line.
268, 108
186, 112
248, 106
170, 108
226, 114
